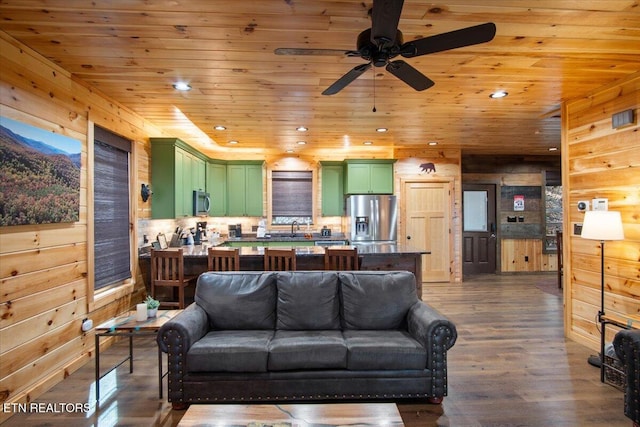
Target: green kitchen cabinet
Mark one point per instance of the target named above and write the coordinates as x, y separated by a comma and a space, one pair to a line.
244, 188
176, 171
332, 176
369, 177
217, 187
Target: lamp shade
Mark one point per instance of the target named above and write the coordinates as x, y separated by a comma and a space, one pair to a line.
602, 225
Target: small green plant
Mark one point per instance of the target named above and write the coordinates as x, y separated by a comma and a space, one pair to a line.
151, 303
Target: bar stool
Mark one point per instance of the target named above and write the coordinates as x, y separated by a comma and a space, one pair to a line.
167, 270
279, 259
223, 259
341, 259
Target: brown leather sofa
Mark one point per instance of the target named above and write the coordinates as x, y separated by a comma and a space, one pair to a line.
306, 336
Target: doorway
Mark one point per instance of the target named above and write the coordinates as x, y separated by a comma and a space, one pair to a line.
479, 240
427, 207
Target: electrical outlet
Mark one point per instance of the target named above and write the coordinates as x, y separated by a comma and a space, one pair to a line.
526, 258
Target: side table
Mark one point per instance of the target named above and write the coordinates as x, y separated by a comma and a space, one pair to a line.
627, 321
126, 325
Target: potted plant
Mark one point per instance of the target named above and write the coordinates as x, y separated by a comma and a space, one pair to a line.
152, 306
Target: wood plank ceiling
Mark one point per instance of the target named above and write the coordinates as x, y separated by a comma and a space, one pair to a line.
544, 52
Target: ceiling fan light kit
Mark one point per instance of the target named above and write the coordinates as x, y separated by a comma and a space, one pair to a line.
383, 42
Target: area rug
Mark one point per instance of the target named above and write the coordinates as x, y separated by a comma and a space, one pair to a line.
549, 286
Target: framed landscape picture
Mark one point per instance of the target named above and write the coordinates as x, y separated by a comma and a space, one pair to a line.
39, 175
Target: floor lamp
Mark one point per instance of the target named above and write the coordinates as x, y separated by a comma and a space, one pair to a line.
602, 226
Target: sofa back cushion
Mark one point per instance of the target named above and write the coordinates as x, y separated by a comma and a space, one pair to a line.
376, 299
308, 300
239, 301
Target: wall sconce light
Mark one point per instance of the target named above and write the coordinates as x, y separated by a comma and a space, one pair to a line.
145, 192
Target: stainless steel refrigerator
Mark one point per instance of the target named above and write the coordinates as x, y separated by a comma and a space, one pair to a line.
372, 218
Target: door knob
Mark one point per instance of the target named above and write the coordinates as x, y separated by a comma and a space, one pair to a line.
408, 237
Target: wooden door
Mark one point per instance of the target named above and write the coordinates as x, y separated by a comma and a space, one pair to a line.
478, 229
427, 226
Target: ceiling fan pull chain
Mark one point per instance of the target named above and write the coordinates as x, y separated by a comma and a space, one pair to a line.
374, 91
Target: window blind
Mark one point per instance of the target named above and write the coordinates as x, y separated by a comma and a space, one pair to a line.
292, 193
111, 208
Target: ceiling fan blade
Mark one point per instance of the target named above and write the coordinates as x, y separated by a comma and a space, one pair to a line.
409, 75
384, 22
454, 39
317, 52
343, 81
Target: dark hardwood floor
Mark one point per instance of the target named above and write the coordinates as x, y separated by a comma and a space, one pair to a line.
511, 366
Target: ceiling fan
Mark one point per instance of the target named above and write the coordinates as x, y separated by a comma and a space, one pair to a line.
381, 43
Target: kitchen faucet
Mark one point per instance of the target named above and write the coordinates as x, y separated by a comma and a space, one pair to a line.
292, 224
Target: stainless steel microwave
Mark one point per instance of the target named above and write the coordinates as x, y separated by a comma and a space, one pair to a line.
201, 203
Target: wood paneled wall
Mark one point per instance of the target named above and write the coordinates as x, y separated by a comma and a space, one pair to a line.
600, 161
44, 283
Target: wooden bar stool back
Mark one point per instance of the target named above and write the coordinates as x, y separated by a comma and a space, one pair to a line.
167, 271
341, 259
279, 259
223, 259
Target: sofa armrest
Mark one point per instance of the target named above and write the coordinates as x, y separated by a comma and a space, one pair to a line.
184, 329
627, 346
437, 334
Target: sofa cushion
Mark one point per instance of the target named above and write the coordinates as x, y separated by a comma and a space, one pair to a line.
376, 299
235, 300
230, 351
290, 350
308, 301
383, 350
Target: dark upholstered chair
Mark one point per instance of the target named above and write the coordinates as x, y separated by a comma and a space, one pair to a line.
627, 346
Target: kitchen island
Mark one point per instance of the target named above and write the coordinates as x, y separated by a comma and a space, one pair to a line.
383, 257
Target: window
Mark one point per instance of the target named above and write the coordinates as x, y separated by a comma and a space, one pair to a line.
292, 197
112, 256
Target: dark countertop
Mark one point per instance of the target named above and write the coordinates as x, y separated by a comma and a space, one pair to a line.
201, 250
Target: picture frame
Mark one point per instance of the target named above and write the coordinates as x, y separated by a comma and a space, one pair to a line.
162, 241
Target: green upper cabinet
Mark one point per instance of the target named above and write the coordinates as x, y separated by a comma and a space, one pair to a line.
369, 177
217, 187
244, 188
176, 171
332, 176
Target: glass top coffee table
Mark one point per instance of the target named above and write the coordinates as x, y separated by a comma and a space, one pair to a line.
126, 325
294, 415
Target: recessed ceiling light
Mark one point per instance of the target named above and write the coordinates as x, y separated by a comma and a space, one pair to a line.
302, 142
302, 128
499, 94
220, 127
368, 143
433, 143
182, 86
382, 130
233, 141
289, 150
